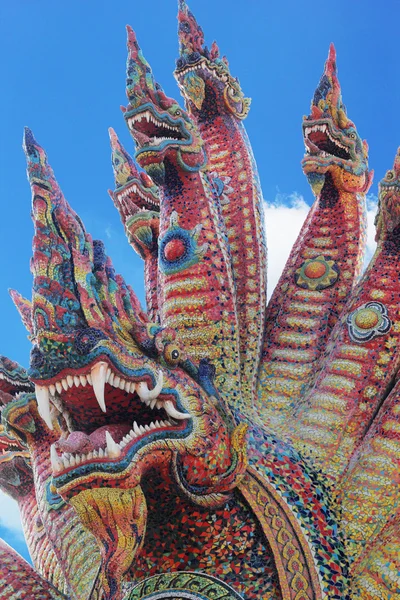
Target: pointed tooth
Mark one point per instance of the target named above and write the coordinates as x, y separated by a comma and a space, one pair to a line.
123, 443
111, 378
59, 387
153, 403
77, 460
70, 380
112, 447
52, 389
83, 379
136, 428
159, 404
153, 426
101, 453
95, 454
131, 435
72, 461
65, 461
108, 374
89, 378
56, 462
133, 387
90, 455
116, 381
64, 383
146, 394
77, 381
173, 412
43, 400
127, 386
142, 429
122, 384
98, 374
147, 428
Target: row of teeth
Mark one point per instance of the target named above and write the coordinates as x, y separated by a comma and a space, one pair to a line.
203, 65
150, 119
320, 153
101, 374
13, 382
133, 189
112, 450
11, 449
325, 129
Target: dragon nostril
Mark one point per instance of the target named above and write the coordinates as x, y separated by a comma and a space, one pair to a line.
193, 58
180, 63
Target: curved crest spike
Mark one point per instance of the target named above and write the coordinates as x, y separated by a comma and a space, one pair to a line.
24, 307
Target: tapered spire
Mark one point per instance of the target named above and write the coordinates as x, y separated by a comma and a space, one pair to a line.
327, 100
54, 295
141, 87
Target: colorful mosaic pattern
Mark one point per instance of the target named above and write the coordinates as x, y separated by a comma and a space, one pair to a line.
211, 446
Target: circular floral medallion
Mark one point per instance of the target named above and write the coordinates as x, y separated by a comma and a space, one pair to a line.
317, 273
182, 586
368, 321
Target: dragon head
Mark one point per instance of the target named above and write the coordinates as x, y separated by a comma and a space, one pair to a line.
203, 76
16, 478
114, 385
126, 401
136, 199
332, 143
387, 220
162, 130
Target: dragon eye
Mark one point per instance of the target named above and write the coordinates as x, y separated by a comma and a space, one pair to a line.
352, 135
390, 175
172, 354
178, 113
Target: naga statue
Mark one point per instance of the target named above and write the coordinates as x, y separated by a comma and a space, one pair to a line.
213, 446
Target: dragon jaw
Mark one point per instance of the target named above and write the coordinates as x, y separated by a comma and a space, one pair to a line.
16, 478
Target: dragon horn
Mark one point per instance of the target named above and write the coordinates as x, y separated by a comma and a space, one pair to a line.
24, 308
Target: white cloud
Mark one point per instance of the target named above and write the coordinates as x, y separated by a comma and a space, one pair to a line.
9, 514
284, 218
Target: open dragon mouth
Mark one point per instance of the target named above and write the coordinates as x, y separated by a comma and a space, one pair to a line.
319, 140
13, 386
132, 199
9, 449
150, 130
117, 416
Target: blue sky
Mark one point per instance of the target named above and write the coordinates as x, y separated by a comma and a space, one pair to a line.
63, 75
